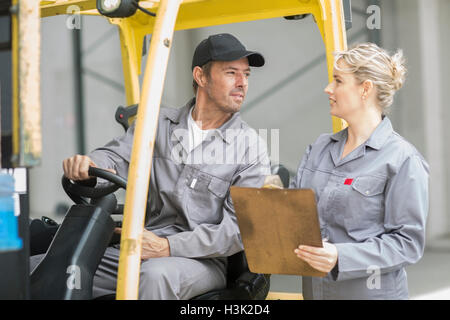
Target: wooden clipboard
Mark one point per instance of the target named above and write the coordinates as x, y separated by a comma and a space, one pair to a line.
274, 222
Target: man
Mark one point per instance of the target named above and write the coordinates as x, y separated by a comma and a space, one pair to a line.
200, 151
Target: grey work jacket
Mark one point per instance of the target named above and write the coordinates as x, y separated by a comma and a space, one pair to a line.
189, 196
373, 206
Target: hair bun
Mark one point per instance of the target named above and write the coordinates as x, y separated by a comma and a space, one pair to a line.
398, 69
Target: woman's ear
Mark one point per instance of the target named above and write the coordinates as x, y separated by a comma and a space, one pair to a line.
367, 87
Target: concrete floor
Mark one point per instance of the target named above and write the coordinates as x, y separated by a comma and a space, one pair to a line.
428, 279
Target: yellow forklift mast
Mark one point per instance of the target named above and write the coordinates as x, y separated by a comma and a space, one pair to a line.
159, 18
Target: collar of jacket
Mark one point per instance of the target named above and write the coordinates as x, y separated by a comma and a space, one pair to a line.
376, 139
179, 118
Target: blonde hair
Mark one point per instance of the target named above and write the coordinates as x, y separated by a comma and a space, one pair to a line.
367, 61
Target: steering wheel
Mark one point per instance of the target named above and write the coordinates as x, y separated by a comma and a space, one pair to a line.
78, 193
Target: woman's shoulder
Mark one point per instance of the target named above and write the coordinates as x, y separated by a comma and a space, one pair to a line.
402, 146
402, 152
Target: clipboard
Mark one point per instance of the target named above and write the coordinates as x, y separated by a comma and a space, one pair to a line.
274, 222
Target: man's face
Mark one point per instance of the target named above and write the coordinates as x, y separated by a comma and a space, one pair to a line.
227, 84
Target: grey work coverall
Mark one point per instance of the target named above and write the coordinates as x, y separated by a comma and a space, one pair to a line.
373, 206
190, 203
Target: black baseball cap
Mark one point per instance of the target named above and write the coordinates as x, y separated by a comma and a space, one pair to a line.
224, 47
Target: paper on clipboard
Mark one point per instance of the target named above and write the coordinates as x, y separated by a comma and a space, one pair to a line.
274, 222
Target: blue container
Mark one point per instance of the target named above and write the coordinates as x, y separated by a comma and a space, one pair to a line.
9, 239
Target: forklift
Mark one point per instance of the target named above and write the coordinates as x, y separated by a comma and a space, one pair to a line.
91, 218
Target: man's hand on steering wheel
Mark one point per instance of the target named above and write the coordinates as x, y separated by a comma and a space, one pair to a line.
77, 167
81, 168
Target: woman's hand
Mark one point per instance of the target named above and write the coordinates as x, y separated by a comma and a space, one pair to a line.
322, 259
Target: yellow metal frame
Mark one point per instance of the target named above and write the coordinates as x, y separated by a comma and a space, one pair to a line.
15, 80
142, 153
177, 15
26, 112
284, 296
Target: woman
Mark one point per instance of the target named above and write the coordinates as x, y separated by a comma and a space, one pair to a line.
371, 186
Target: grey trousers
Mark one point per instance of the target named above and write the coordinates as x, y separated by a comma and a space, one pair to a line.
170, 278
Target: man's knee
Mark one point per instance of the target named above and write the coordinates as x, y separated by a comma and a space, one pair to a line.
158, 282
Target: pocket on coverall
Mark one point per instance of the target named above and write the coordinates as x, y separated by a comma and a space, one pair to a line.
365, 207
206, 196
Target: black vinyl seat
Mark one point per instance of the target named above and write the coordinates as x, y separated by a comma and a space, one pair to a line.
68, 267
